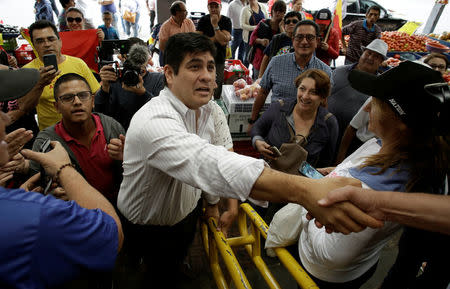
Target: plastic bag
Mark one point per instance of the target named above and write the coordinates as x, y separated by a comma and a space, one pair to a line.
286, 225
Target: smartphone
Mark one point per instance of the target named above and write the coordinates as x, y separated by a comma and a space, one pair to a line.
50, 59
276, 151
45, 181
308, 171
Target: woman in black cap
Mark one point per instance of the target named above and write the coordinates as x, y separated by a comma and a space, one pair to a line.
410, 155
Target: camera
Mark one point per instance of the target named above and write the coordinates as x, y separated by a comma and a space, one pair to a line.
136, 57
126, 73
130, 74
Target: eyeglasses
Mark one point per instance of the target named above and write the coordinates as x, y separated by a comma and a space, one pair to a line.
76, 19
40, 41
438, 66
309, 37
69, 98
293, 21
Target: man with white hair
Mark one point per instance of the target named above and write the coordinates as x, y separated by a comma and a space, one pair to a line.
344, 101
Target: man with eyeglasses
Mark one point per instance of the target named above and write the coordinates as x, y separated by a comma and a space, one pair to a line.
177, 23
281, 43
283, 69
93, 141
45, 39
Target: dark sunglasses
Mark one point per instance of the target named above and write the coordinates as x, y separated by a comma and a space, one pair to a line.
293, 21
76, 19
309, 37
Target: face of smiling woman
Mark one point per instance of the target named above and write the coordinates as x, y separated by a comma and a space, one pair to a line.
307, 97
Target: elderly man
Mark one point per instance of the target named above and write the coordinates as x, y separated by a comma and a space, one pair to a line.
283, 69
45, 241
45, 39
218, 28
344, 101
177, 23
86, 135
361, 32
169, 159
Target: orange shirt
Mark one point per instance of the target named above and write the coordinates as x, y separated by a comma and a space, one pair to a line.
170, 27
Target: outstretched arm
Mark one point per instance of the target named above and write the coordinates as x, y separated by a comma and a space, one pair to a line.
423, 211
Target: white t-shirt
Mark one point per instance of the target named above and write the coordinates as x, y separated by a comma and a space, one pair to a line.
341, 258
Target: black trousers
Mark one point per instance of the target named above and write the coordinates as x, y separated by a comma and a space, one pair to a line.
415, 247
162, 248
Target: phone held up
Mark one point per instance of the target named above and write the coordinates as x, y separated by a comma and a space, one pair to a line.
276, 151
308, 171
50, 59
45, 181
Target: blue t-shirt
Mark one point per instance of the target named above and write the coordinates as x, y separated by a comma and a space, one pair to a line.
45, 241
110, 33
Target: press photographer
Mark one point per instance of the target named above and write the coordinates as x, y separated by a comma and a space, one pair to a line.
126, 88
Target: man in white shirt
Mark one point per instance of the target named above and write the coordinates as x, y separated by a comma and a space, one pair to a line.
169, 158
234, 13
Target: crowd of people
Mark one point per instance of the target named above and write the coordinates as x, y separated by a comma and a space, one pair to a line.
101, 171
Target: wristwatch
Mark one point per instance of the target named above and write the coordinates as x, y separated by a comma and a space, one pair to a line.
251, 121
216, 28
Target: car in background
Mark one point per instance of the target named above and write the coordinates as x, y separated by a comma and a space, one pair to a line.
356, 10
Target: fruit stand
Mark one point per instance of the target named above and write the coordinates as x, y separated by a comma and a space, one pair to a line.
403, 46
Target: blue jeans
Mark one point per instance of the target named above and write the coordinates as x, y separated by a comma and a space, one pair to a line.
238, 42
135, 26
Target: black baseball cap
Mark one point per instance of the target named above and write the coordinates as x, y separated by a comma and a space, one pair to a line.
16, 83
414, 91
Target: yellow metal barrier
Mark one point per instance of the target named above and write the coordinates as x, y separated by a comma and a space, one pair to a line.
252, 243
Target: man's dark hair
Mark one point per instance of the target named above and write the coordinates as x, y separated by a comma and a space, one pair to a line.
292, 14
175, 7
279, 5
181, 44
64, 3
107, 13
307, 22
66, 78
134, 40
42, 24
374, 7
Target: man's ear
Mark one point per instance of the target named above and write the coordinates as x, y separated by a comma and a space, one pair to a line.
169, 73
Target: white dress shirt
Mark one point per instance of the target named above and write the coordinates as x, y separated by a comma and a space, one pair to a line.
234, 13
167, 160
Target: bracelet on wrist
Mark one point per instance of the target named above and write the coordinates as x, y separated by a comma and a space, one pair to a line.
58, 172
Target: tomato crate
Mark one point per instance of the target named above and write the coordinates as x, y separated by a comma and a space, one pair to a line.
231, 76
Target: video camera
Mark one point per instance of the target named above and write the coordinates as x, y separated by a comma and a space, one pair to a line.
128, 72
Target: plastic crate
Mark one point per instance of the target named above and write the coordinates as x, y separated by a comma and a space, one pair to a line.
231, 76
235, 105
